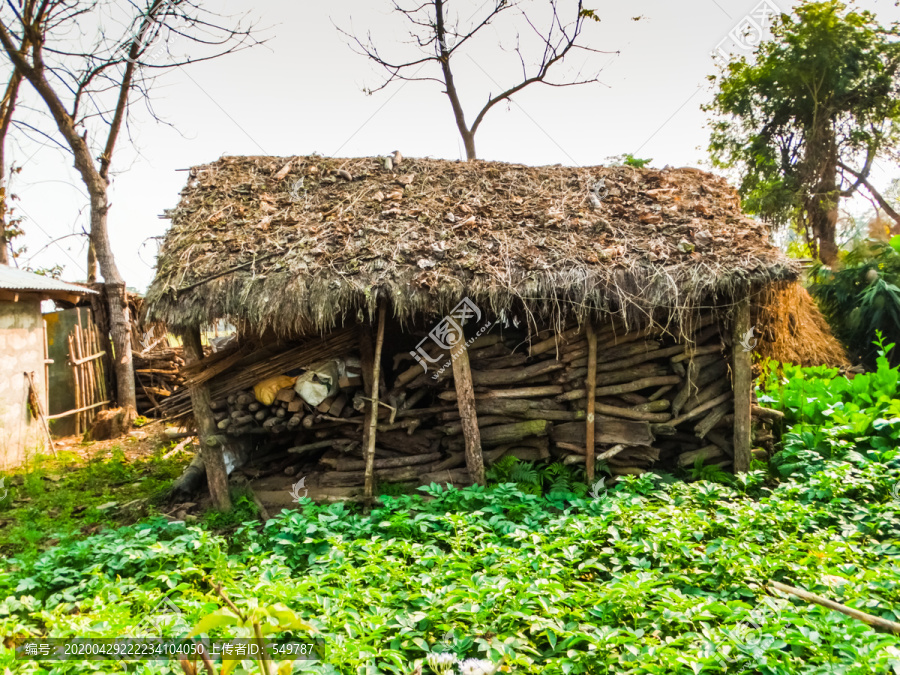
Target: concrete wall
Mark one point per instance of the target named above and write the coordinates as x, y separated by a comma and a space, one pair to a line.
21, 351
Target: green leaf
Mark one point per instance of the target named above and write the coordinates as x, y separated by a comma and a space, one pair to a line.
219, 618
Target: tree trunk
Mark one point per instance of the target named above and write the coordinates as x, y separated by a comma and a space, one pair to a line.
469, 142
211, 452
91, 264
97, 184
7, 108
459, 116
119, 321
822, 203
822, 213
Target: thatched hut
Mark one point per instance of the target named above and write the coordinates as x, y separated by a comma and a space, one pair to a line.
519, 289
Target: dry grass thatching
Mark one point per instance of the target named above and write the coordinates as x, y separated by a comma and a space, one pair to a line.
299, 245
793, 329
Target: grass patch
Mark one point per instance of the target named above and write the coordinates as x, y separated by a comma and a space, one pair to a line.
56, 499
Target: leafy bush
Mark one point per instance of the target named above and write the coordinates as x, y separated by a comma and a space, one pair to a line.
831, 417
862, 297
551, 478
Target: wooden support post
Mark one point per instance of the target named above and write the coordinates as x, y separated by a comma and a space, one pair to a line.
465, 400
367, 365
591, 387
375, 369
212, 454
742, 367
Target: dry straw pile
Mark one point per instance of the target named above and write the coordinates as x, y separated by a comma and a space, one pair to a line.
793, 329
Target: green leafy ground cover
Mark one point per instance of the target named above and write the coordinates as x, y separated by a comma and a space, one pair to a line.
652, 576
61, 499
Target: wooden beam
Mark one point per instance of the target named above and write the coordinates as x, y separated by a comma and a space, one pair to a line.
86, 359
590, 386
465, 400
742, 377
213, 454
369, 485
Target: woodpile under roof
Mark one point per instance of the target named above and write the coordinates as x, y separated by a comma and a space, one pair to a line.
661, 402
300, 245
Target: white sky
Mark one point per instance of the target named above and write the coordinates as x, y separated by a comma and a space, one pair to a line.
301, 93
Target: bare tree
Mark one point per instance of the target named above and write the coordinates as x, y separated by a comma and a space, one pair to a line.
439, 37
89, 77
8, 225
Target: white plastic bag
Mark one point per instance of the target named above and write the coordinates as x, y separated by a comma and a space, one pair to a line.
319, 382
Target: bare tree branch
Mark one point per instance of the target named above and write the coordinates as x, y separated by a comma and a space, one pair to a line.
882, 202
88, 75
862, 175
438, 43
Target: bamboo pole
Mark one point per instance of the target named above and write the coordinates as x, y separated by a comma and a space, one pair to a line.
90, 357
879, 624
87, 385
76, 378
369, 486
76, 341
76, 385
100, 363
590, 387
88, 371
47, 362
743, 386
72, 412
35, 400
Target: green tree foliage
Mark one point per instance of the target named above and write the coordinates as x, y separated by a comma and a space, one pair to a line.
806, 117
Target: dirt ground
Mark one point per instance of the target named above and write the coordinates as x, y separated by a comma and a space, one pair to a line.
138, 443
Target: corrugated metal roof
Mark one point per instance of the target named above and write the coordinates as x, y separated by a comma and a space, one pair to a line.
19, 280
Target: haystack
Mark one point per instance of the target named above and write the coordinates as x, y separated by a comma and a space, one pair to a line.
574, 313
791, 329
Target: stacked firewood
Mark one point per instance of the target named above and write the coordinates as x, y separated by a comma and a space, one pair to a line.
157, 374
243, 414
156, 360
420, 434
661, 401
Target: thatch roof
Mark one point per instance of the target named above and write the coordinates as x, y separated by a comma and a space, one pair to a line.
291, 244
